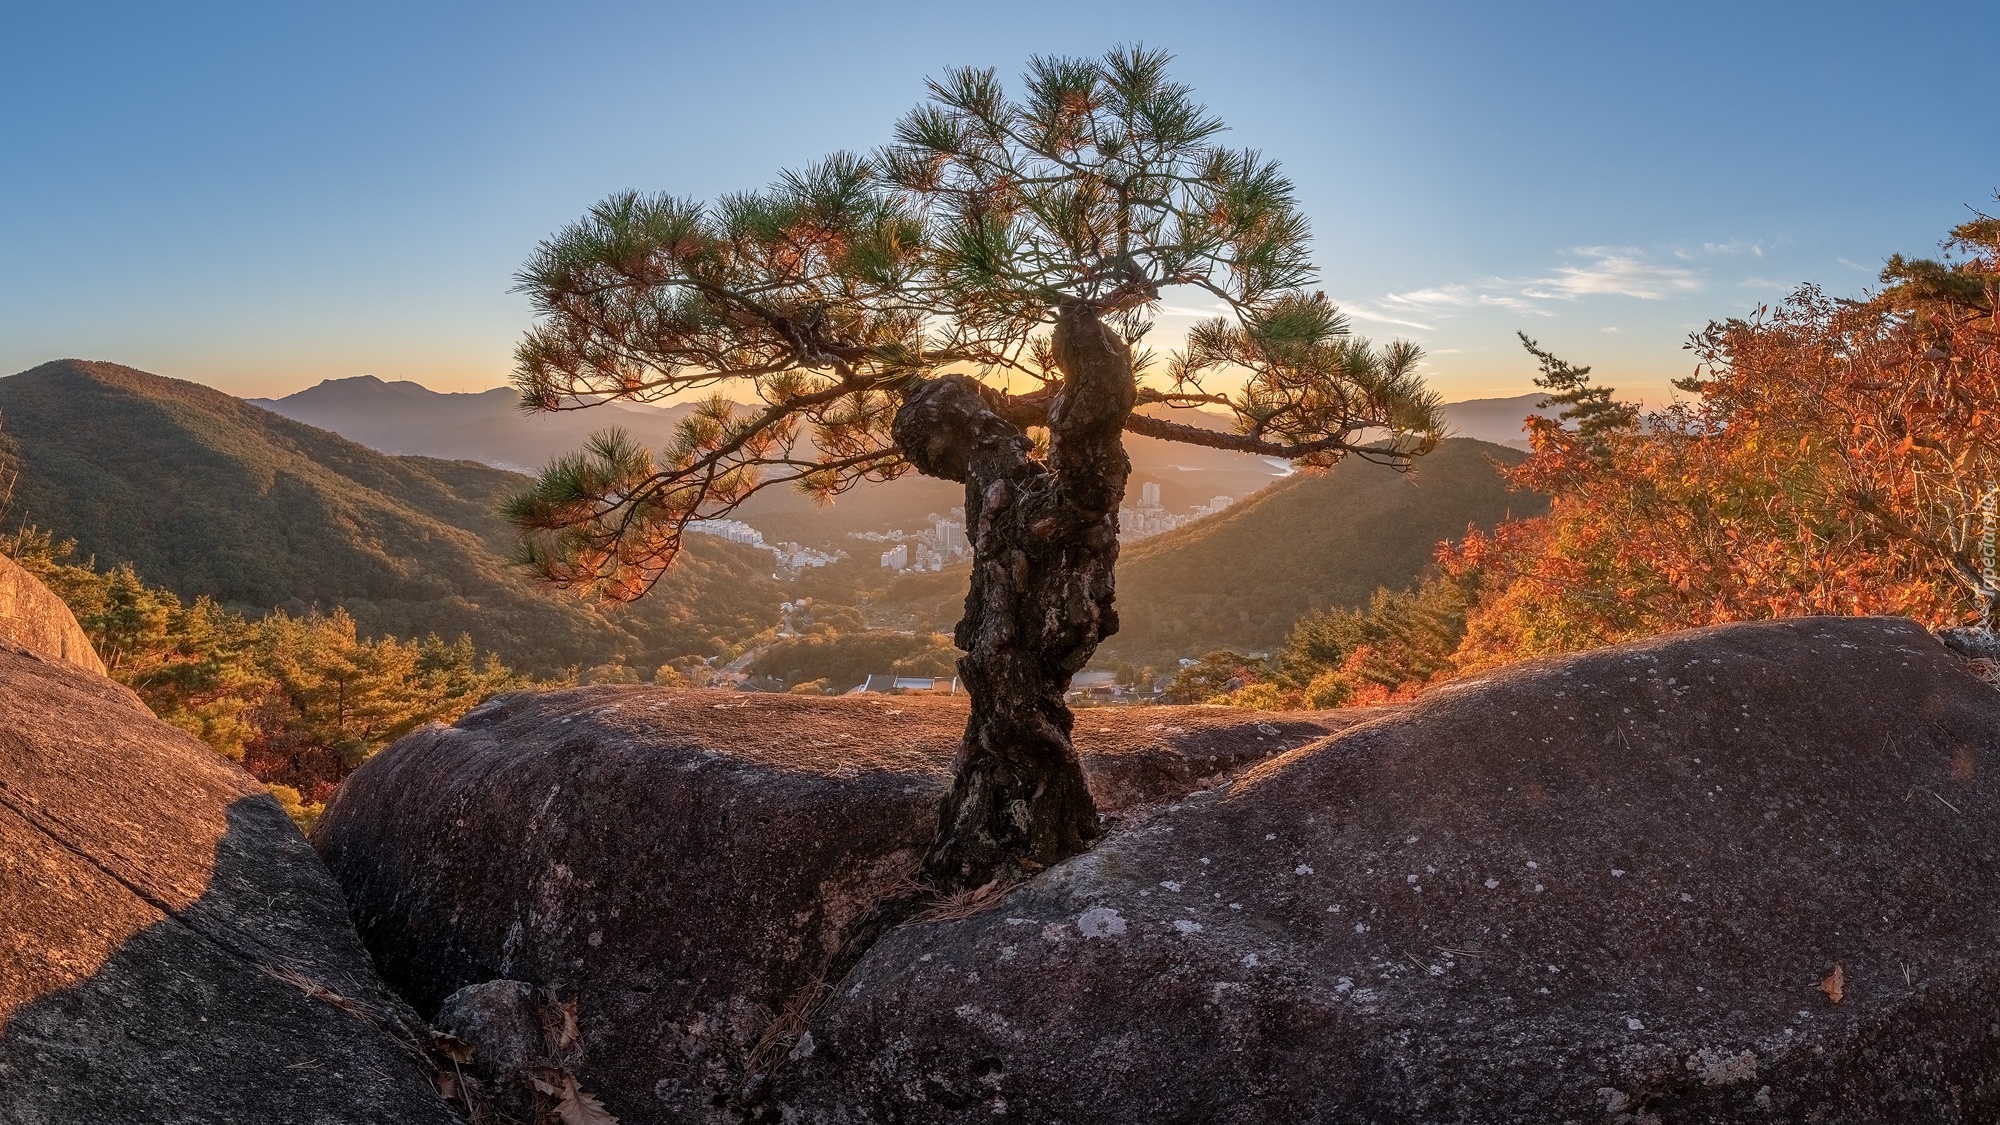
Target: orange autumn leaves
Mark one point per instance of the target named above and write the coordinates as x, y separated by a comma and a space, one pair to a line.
1834, 457
1840, 457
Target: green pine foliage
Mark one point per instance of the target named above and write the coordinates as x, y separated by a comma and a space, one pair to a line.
1592, 412
1340, 655
1964, 282
1097, 183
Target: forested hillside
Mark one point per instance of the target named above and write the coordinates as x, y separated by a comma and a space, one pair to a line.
210, 496
1239, 579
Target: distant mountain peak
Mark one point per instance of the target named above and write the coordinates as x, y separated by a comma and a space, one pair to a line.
363, 390
1498, 420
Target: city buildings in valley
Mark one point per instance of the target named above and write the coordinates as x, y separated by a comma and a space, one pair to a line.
735, 531
1150, 518
790, 556
951, 537
944, 541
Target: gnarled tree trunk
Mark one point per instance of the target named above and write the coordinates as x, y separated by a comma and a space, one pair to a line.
1044, 541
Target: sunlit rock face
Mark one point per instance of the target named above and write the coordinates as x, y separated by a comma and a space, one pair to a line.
33, 618
683, 864
1742, 874
173, 950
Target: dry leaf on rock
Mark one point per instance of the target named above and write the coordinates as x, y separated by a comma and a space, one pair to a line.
558, 1018
452, 1047
579, 1108
569, 1034
573, 1105
1835, 983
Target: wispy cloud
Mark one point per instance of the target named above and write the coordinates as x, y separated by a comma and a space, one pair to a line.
1364, 311
1421, 308
1586, 273
1456, 297
1732, 248
1854, 265
1609, 272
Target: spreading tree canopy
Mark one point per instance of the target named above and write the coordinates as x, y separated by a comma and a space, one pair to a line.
968, 302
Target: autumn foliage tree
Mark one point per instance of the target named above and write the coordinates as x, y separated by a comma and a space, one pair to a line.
1839, 457
968, 302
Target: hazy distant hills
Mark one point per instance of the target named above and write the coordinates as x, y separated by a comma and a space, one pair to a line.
1497, 420
407, 418
1240, 578
206, 494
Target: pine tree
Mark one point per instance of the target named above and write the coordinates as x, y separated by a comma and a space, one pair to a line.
1591, 412
968, 302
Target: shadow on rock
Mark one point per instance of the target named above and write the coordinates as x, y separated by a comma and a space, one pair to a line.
176, 953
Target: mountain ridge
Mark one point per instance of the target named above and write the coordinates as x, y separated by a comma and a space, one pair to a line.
209, 495
1501, 421
405, 418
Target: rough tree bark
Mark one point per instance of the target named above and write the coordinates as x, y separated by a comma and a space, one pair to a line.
1044, 542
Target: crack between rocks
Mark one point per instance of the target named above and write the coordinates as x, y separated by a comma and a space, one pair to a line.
772, 1052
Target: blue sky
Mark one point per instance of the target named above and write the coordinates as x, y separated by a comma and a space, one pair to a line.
262, 196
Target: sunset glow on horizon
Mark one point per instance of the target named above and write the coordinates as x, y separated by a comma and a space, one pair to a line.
260, 199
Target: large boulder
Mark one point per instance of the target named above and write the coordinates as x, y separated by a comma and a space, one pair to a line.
174, 952
1749, 873
33, 618
682, 865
